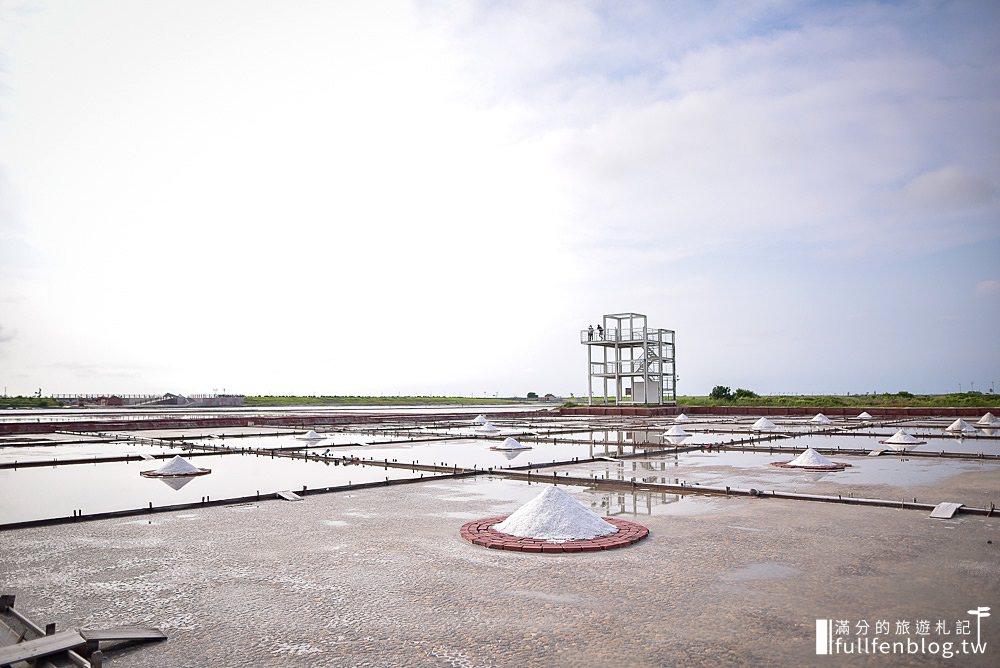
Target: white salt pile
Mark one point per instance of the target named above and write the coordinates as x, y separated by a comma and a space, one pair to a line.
988, 420
960, 426
177, 466
311, 436
819, 418
511, 444
676, 430
554, 515
864, 416
681, 418
479, 419
488, 427
763, 424
811, 458
902, 438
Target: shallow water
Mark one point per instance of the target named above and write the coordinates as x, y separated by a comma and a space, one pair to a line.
45, 492
472, 453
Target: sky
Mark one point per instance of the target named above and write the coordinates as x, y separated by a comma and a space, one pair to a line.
391, 197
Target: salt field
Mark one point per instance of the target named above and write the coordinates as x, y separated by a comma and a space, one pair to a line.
383, 497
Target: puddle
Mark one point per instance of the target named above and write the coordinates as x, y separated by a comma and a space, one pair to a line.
768, 570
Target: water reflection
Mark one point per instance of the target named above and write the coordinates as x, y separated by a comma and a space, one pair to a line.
177, 482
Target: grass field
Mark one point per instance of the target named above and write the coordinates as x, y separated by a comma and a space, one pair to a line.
28, 402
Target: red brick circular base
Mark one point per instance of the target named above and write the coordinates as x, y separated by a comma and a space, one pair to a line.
481, 532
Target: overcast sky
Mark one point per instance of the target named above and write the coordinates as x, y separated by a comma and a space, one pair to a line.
434, 197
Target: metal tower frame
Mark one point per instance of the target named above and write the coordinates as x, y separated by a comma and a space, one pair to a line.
636, 359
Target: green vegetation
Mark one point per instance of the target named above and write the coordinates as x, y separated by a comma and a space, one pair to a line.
721, 393
29, 402
743, 397
373, 401
899, 399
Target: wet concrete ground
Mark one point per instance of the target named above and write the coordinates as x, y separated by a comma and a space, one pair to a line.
381, 578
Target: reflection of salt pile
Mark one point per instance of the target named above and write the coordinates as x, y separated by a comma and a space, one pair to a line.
676, 430
555, 516
176, 482
988, 420
677, 440
511, 444
864, 416
479, 420
310, 436
488, 428
175, 468
960, 426
901, 439
819, 418
681, 418
811, 458
763, 424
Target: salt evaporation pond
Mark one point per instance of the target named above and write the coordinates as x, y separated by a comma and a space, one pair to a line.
755, 470
650, 437
34, 453
467, 453
949, 444
95, 488
292, 440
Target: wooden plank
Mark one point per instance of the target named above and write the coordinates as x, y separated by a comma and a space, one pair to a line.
289, 496
40, 647
945, 510
123, 633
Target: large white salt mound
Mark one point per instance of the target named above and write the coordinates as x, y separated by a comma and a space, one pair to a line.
960, 425
676, 430
479, 419
511, 444
681, 418
865, 416
177, 466
762, 424
902, 437
810, 458
310, 436
987, 419
819, 418
556, 516
488, 427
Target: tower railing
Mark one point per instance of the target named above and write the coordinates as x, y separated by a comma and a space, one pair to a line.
620, 335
